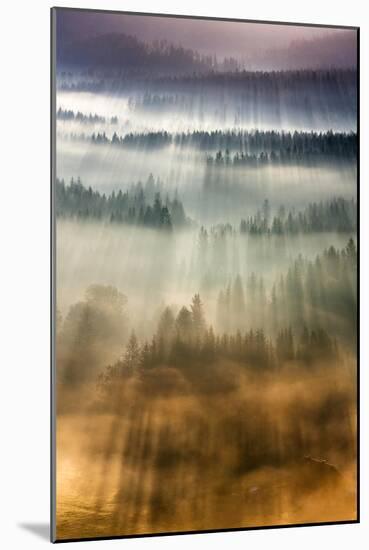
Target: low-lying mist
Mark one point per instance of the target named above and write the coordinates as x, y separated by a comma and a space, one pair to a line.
155, 453
206, 281
155, 270
210, 195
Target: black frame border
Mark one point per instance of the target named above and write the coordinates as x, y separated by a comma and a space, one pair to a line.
53, 394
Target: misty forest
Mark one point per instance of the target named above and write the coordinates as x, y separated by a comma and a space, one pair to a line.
206, 281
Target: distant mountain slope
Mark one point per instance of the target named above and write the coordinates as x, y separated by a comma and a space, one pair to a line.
336, 49
126, 52
118, 50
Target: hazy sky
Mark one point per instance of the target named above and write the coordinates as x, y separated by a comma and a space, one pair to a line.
222, 38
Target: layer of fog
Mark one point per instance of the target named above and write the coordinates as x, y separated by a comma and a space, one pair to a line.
209, 195
155, 270
156, 454
201, 112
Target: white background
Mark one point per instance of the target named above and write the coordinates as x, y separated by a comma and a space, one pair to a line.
24, 271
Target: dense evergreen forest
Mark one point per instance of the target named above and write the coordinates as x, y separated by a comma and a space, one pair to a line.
251, 349
336, 83
288, 155
186, 340
256, 147
310, 294
303, 315
122, 52
338, 215
70, 115
314, 293
130, 207
142, 204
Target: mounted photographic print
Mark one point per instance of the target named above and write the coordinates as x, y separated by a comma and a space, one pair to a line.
204, 274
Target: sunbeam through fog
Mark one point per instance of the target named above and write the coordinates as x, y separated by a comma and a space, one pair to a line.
206, 271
